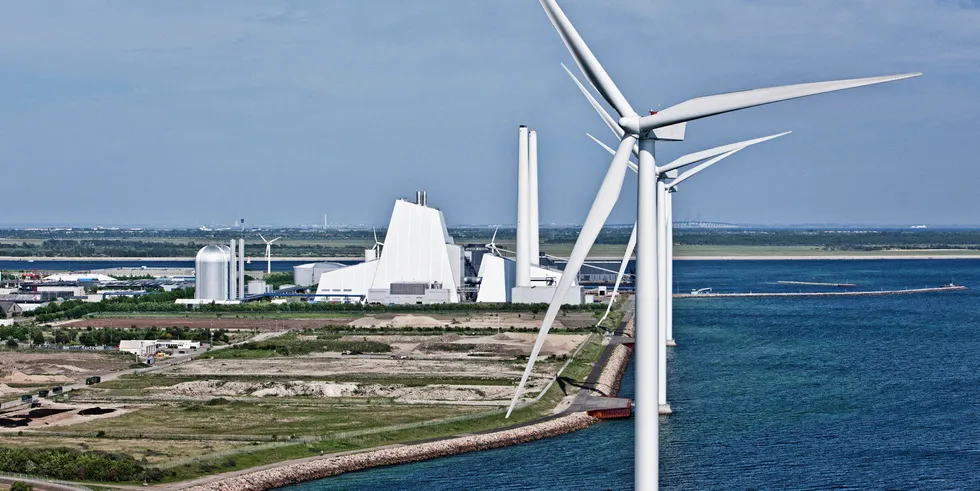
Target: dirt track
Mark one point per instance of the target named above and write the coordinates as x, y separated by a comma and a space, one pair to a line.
199, 323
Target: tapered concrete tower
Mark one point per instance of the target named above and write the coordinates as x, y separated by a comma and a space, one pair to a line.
532, 160
523, 277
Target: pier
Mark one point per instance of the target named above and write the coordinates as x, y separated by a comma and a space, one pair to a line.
812, 283
947, 288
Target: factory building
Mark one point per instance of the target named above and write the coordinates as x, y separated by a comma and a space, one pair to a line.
418, 263
309, 274
143, 347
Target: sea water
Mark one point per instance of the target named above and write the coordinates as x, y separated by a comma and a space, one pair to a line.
776, 393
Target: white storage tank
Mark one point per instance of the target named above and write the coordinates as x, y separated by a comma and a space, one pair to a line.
320, 268
256, 287
303, 275
211, 267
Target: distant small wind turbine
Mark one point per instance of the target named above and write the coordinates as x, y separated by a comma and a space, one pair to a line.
377, 244
268, 253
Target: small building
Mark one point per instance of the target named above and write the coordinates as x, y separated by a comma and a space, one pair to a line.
10, 309
143, 347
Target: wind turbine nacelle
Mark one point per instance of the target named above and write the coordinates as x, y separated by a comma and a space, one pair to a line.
671, 174
674, 132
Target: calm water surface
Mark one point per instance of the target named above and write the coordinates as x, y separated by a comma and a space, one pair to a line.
816, 393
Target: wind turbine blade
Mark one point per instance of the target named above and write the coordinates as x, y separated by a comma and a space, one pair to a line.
263, 239
711, 152
630, 247
585, 60
493, 240
631, 164
711, 105
604, 202
610, 122
690, 173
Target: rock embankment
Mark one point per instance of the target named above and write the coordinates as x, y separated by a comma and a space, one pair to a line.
321, 468
613, 372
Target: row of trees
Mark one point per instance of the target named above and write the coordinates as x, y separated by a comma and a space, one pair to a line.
68, 464
164, 302
16, 335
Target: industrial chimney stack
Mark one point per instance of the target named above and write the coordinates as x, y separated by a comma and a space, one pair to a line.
523, 276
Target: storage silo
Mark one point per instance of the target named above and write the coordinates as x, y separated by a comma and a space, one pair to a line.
320, 268
303, 274
211, 273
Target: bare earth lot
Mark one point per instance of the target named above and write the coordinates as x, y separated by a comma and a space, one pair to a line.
503, 321
56, 367
248, 404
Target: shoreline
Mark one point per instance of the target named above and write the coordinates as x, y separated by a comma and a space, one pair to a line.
314, 468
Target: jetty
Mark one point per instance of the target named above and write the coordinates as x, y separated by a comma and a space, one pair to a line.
813, 283
912, 291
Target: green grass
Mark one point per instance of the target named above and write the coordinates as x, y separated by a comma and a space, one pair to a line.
261, 419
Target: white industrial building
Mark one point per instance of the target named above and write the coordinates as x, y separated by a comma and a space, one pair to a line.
419, 263
144, 347
523, 279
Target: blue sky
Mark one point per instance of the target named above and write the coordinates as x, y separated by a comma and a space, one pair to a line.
186, 112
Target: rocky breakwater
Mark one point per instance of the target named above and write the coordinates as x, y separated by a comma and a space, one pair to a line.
331, 466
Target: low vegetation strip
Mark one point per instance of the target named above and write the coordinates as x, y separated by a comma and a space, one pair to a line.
291, 344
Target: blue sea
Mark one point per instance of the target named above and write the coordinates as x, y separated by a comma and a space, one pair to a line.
787, 393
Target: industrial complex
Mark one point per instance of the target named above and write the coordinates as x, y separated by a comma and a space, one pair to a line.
417, 263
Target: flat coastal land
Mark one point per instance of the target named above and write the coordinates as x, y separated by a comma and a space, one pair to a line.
305, 398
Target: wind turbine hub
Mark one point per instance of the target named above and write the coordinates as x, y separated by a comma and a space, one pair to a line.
630, 124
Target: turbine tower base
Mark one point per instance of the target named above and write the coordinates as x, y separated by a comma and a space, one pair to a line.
671, 343
665, 410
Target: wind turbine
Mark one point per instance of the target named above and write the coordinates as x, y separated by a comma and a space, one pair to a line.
268, 253
715, 155
493, 243
665, 249
642, 132
377, 244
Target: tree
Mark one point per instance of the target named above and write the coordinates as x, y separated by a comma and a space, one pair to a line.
21, 486
12, 343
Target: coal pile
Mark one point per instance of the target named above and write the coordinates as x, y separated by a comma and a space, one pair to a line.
14, 422
95, 411
44, 413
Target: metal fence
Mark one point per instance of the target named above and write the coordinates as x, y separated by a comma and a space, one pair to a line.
27, 478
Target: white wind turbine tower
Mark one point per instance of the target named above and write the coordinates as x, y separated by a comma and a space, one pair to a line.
642, 132
268, 253
665, 300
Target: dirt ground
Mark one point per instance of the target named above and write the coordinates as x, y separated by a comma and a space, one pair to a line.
67, 418
56, 367
209, 323
503, 321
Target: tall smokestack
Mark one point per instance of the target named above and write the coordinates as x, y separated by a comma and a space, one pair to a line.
523, 211
241, 268
232, 277
532, 182
425, 198
418, 197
